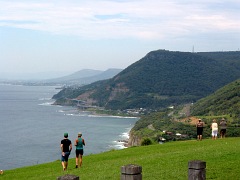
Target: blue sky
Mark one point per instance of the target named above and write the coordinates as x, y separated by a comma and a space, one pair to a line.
70, 35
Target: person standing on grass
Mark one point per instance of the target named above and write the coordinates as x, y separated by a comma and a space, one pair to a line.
66, 147
199, 126
214, 128
79, 143
223, 128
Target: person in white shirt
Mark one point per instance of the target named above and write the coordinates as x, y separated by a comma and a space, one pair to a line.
214, 128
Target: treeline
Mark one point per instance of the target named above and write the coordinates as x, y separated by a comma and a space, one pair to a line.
226, 100
160, 125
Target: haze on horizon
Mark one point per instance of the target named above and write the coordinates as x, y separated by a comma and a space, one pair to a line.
67, 36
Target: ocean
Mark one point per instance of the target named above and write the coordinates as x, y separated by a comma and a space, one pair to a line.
32, 128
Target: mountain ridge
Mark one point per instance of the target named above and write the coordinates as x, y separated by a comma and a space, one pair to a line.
85, 76
159, 79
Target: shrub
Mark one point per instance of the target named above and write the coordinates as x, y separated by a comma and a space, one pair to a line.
146, 142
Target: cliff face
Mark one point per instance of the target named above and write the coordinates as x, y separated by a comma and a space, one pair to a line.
134, 140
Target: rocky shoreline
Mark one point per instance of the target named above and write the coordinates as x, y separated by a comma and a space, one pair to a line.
125, 142
133, 140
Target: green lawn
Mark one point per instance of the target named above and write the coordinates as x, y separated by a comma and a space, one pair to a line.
162, 161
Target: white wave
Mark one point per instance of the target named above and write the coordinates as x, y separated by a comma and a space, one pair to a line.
124, 135
61, 111
123, 140
72, 114
46, 104
66, 111
44, 99
117, 145
110, 116
69, 114
99, 116
58, 105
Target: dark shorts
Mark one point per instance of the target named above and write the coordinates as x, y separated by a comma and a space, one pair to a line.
199, 130
223, 131
65, 157
79, 151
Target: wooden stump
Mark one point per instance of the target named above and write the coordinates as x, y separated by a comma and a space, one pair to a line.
68, 177
196, 170
131, 172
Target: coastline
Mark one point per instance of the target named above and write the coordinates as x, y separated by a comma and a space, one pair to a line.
123, 115
120, 143
125, 142
50, 122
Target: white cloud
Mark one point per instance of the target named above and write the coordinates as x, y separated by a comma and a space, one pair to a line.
147, 19
75, 34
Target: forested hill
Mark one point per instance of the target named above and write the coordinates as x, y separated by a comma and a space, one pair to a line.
230, 57
225, 101
160, 79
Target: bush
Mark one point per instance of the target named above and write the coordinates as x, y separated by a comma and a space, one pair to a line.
146, 142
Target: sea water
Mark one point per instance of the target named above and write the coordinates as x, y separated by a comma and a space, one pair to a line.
31, 128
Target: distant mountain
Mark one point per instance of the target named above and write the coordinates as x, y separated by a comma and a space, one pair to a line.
160, 79
77, 75
224, 101
85, 76
31, 76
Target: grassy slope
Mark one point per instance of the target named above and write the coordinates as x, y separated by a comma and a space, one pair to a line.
166, 161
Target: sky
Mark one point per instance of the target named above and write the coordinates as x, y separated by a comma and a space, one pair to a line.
71, 35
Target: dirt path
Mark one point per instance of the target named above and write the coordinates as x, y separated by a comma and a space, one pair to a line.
191, 120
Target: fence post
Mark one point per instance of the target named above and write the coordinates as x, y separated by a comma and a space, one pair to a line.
131, 172
68, 177
196, 170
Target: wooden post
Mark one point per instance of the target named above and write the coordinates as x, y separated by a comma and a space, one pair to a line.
131, 172
196, 170
68, 177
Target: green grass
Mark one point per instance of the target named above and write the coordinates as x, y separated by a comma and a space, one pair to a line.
161, 161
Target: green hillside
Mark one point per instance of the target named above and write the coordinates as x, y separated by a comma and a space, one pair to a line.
156, 125
159, 79
225, 101
231, 58
161, 161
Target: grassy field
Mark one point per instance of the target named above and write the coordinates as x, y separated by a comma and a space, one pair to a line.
162, 161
